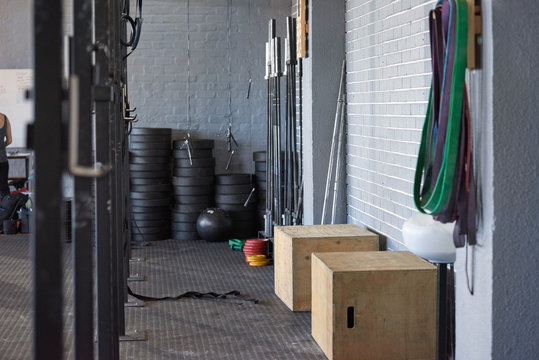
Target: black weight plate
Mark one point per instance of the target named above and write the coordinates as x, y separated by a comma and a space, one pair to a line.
138, 237
193, 199
164, 210
138, 216
234, 198
193, 190
259, 156
185, 235
184, 226
195, 144
149, 230
242, 216
233, 179
150, 131
148, 159
185, 217
144, 223
233, 189
149, 174
196, 171
151, 202
150, 146
149, 195
243, 225
260, 176
235, 207
189, 208
149, 167
150, 153
260, 166
243, 234
195, 163
192, 180
195, 154
157, 181
149, 138
151, 188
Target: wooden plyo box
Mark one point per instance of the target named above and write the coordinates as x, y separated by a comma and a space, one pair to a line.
293, 246
374, 305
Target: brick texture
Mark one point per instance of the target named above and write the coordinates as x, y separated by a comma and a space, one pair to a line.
205, 95
388, 79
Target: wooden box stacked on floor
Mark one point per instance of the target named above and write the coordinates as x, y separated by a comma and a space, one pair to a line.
293, 246
374, 305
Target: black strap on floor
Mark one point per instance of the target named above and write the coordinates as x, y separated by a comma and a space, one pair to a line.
192, 295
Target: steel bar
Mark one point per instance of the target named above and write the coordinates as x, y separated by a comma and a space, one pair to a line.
268, 220
83, 215
338, 165
298, 202
278, 196
46, 240
333, 145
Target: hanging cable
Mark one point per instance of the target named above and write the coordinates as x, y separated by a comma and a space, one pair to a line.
249, 45
230, 140
188, 69
136, 25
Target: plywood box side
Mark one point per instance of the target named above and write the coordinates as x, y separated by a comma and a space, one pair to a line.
303, 249
375, 260
283, 269
394, 315
322, 306
322, 231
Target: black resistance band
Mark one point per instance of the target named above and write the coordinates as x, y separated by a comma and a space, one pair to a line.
193, 295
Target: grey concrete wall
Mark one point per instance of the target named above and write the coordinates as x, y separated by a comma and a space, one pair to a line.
515, 114
16, 34
219, 68
388, 79
322, 69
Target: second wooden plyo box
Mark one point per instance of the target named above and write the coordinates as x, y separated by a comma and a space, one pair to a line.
292, 259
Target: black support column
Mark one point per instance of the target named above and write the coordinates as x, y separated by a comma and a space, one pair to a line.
83, 212
107, 273
47, 135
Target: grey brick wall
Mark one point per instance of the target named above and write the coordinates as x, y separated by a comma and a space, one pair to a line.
219, 70
388, 79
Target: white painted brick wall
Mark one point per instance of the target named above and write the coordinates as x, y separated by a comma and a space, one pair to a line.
158, 71
388, 79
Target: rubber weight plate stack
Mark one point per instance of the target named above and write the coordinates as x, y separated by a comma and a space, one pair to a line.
232, 193
150, 189
259, 157
193, 178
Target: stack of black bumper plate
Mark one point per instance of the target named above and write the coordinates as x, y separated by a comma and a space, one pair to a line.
234, 194
259, 157
193, 178
149, 173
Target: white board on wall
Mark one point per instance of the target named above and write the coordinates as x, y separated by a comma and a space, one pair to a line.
13, 103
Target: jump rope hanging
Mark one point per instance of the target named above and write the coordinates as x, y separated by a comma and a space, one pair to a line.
444, 185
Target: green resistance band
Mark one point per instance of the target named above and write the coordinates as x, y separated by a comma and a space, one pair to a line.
433, 202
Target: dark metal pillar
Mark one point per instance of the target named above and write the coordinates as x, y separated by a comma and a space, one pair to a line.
107, 277
47, 132
117, 134
83, 213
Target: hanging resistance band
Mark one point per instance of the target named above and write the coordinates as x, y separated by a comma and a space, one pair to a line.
443, 184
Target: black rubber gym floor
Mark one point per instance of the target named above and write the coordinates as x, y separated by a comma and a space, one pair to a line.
184, 329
